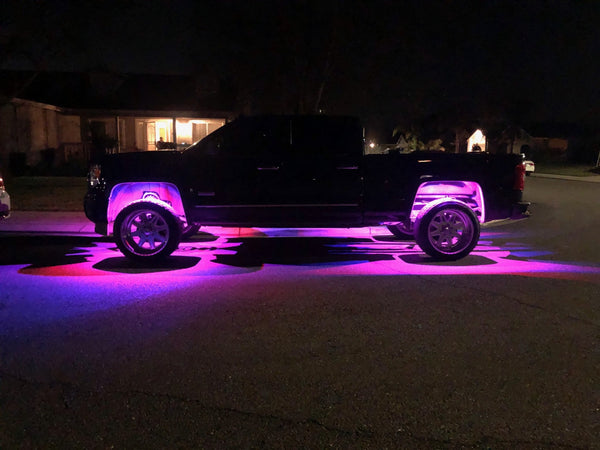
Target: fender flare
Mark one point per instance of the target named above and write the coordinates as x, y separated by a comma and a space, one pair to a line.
468, 193
161, 193
434, 203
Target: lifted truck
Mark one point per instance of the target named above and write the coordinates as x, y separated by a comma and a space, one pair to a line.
300, 171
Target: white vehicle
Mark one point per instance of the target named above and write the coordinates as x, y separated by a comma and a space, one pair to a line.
529, 166
4, 200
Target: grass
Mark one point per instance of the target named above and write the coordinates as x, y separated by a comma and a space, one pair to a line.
46, 193
574, 170
66, 193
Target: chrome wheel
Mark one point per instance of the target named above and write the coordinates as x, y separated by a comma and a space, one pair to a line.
146, 231
448, 231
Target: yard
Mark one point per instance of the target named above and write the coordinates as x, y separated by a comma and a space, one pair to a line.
46, 193
576, 170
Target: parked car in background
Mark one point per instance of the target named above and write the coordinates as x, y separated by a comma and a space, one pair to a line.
4, 200
529, 166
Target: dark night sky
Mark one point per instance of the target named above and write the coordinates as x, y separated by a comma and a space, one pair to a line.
385, 61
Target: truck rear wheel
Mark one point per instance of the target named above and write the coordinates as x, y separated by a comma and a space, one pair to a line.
448, 231
190, 231
146, 232
401, 231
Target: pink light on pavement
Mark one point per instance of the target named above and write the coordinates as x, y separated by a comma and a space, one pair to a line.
315, 252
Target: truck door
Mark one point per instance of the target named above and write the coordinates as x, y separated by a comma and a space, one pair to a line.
219, 176
277, 170
320, 178
233, 172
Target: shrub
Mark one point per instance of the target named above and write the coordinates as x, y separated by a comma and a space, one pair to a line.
17, 163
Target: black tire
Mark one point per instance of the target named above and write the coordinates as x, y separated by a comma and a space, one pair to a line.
400, 231
189, 231
448, 231
146, 232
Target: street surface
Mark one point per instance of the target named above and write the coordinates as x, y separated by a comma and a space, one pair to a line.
278, 338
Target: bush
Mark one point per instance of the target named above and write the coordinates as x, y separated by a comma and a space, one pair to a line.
584, 153
47, 193
71, 169
17, 163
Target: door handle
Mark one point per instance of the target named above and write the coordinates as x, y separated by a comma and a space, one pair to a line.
268, 168
347, 168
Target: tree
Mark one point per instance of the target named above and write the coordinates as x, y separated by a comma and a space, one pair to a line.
34, 34
280, 56
408, 139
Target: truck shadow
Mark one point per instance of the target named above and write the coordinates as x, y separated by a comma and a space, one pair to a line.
308, 251
301, 251
45, 251
255, 252
39, 251
120, 264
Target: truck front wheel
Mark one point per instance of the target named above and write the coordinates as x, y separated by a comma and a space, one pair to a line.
448, 231
146, 232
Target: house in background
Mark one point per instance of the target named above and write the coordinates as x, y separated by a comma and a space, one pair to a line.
547, 142
57, 118
554, 141
511, 139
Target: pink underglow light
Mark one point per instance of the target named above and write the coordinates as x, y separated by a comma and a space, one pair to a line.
124, 194
347, 252
468, 192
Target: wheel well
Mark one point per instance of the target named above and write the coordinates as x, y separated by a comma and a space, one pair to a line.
163, 194
466, 192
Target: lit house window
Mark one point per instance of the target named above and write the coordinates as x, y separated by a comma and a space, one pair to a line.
192, 130
158, 133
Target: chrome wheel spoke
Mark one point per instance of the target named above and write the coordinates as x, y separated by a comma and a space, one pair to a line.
448, 230
146, 231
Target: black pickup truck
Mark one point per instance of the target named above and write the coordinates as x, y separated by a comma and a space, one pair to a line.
300, 171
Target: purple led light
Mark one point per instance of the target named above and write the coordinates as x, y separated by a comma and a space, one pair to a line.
106, 280
468, 192
165, 194
352, 252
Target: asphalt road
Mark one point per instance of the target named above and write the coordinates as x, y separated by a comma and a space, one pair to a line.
312, 339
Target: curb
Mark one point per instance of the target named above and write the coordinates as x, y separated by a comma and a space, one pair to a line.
588, 179
46, 222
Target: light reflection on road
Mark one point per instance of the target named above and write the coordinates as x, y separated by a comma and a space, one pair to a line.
320, 251
222, 264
